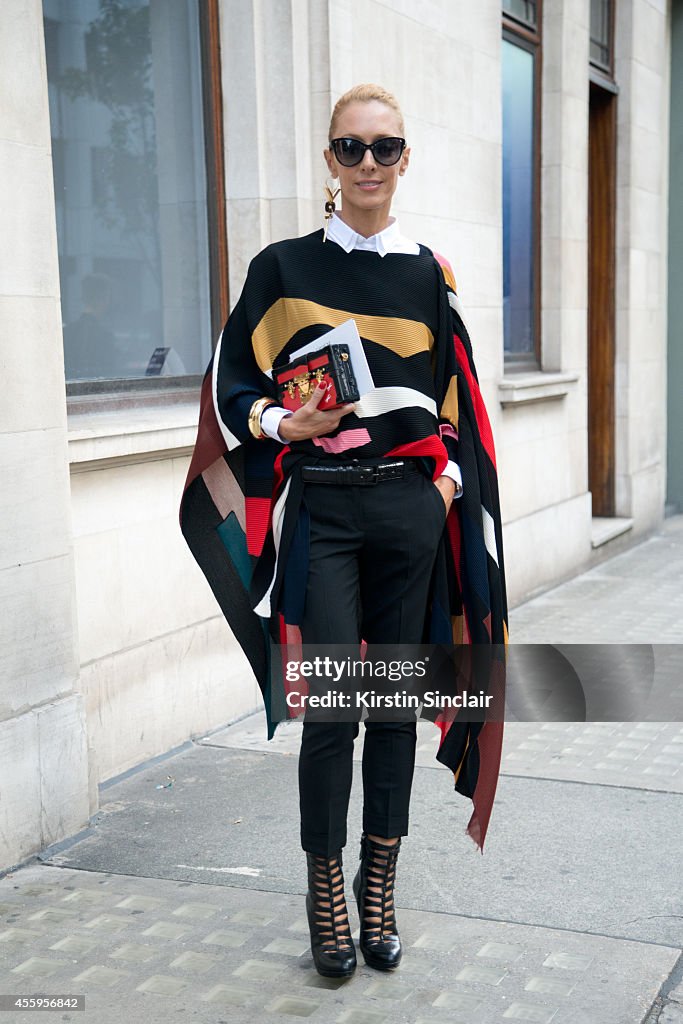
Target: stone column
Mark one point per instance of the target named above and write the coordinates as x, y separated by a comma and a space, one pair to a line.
43, 748
642, 59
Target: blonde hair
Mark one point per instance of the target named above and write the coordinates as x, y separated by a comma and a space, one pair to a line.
364, 93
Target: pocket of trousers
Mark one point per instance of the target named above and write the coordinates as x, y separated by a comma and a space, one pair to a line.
439, 498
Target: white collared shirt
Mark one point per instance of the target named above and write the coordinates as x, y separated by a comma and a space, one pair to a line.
388, 240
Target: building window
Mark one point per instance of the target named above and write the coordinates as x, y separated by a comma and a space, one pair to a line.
523, 10
602, 34
521, 126
127, 114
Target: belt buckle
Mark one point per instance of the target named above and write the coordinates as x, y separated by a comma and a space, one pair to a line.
368, 475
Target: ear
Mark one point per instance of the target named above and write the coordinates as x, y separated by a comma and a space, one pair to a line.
330, 161
405, 160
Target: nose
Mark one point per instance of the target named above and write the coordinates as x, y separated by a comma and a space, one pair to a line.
368, 162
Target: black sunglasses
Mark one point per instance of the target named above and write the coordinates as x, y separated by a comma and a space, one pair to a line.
350, 152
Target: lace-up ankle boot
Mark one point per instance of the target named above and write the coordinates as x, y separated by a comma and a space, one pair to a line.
373, 888
334, 953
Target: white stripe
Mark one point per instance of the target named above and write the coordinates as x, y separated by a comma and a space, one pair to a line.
381, 400
457, 305
263, 607
489, 534
229, 438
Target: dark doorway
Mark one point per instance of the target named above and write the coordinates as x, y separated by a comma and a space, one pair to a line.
601, 298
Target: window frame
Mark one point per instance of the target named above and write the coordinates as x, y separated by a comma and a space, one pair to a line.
114, 393
521, 22
519, 34
601, 71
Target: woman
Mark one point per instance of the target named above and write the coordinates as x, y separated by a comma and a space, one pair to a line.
382, 534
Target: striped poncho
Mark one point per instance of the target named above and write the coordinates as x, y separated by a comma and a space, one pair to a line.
241, 511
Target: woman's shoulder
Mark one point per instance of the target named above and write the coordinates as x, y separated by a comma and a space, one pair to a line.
283, 250
446, 268
286, 246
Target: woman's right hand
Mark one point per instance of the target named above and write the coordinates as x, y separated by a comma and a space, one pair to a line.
310, 421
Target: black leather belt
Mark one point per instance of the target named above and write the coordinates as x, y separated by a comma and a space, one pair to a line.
358, 474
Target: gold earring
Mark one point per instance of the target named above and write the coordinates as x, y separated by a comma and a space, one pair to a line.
330, 196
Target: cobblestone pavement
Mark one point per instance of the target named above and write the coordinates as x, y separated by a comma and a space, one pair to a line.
149, 949
638, 755
187, 901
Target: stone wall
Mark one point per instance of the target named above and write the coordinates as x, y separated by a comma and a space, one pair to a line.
44, 792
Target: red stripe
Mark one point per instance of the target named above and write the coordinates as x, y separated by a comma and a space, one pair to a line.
454, 534
259, 511
291, 650
278, 476
490, 742
431, 446
477, 401
258, 523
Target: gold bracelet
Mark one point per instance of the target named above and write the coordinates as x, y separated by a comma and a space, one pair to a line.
254, 419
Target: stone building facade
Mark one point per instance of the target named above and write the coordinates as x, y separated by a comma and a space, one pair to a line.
135, 191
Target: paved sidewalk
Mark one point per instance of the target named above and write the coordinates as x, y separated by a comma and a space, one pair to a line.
186, 900
635, 597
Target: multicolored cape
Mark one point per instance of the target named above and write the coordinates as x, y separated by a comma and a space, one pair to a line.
241, 511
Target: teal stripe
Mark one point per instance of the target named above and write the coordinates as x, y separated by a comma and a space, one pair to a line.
235, 542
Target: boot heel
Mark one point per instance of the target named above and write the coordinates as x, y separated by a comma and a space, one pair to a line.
379, 942
334, 953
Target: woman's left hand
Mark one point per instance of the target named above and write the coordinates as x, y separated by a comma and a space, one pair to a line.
447, 487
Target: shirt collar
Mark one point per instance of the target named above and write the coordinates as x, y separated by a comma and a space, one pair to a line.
382, 242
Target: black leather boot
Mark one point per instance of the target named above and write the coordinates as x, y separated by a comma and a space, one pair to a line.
373, 888
334, 953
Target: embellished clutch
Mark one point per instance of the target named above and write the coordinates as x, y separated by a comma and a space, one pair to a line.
332, 365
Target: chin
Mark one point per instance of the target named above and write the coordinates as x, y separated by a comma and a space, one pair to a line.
370, 200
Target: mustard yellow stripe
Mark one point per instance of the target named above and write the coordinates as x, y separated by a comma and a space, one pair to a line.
456, 773
458, 628
449, 277
287, 316
449, 406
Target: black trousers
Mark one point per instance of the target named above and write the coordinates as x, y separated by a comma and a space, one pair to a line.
372, 550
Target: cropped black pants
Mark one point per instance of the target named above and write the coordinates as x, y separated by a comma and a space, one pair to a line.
372, 550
